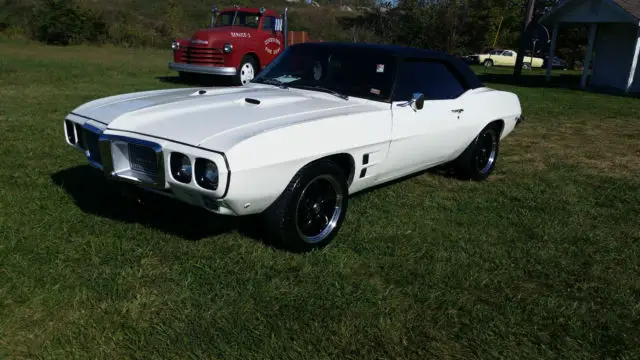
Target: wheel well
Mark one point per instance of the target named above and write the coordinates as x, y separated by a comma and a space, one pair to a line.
256, 60
346, 163
498, 125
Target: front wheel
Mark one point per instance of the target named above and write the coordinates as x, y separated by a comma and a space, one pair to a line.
246, 72
310, 211
479, 158
488, 63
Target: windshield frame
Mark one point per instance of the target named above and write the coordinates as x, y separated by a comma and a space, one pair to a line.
392, 60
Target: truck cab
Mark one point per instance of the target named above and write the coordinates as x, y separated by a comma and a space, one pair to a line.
240, 42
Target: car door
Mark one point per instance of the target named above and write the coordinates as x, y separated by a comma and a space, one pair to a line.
508, 58
272, 41
422, 138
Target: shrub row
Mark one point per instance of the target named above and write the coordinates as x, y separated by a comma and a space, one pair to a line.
66, 22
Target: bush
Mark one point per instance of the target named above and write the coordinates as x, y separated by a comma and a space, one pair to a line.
63, 22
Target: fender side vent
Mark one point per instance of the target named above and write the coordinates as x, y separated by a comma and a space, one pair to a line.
202, 92
363, 173
365, 159
252, 101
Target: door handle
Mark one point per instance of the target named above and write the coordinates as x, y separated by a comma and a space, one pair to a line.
457, 110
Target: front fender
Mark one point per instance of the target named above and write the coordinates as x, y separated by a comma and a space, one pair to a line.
263, 165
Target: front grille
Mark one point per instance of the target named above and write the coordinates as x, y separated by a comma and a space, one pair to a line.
91, 141
143, 160
202, 56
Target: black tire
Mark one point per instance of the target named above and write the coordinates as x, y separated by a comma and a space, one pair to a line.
283, 220
488, 63
526, 66
238, 77
479, 159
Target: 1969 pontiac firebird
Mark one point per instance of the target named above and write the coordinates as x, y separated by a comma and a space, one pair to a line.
321, 122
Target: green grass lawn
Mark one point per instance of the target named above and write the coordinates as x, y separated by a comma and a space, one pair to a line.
540, 261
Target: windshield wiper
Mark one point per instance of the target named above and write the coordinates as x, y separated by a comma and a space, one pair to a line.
324, 89
275, 82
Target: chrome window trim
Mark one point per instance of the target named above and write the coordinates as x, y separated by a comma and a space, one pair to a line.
105, 142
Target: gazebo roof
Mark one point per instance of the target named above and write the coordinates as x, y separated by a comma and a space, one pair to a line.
631, 6
595, 11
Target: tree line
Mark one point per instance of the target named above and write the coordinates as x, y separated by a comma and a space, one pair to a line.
455, 26
463, 26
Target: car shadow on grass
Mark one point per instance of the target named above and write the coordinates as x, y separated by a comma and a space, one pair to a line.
95, 195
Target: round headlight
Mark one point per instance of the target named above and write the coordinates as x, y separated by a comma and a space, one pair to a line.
227, 48
206, 174
175, 45
181, 167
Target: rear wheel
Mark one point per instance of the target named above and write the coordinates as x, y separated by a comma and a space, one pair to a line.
310, 211
479, 158
246, 71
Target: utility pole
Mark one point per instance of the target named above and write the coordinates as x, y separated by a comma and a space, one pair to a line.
528, 17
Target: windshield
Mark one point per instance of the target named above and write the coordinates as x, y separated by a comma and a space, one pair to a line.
238, 18
341, 70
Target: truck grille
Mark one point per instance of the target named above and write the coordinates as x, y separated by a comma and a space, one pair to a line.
202, 56
143, 160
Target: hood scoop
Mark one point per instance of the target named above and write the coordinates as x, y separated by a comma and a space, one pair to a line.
252, 101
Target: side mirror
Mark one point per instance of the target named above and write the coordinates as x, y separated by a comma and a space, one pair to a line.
418, 100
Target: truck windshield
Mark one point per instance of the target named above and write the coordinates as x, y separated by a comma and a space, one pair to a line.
341, 69
238, 18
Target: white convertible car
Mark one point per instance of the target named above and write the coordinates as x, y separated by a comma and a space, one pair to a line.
321, 122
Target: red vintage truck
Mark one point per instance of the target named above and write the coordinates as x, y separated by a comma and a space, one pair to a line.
239, 43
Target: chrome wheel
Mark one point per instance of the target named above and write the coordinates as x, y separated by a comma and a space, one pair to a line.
486, 150
319, 208
246, 73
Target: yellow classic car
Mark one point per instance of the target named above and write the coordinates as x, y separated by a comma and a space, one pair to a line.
504, 58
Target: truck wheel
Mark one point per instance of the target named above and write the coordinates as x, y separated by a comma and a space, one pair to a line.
310, 212
246, 71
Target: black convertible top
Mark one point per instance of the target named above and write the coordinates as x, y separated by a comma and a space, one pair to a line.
405, 52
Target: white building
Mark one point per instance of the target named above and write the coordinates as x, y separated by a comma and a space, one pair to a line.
614, 39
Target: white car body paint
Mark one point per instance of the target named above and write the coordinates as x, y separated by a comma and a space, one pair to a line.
258, 148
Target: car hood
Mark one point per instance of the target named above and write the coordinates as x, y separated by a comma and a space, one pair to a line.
226, 115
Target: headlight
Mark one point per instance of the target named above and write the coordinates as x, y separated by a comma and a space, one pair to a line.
175, 45
227, 48
181, 167
206, 174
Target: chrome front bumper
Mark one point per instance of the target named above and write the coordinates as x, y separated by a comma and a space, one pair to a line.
200, 69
